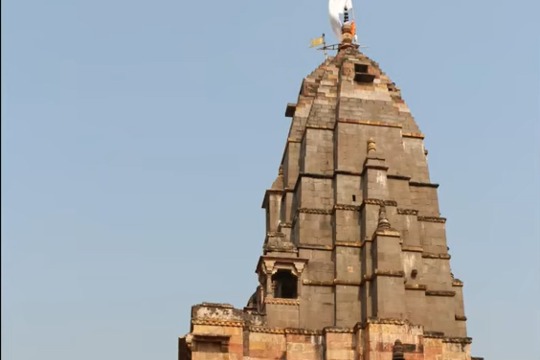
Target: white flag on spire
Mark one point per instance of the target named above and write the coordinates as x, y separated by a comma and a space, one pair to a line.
336, 9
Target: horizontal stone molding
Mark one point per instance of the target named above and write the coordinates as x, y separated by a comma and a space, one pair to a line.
266, 330
445, 293
347, 207
317, 176
315, 211
376, 167
423, 184
315, 247
316, 127
355, 244
347, 172
398, 177
417, 287
338, 330
317, 283
410, 248
436, 256
281, 301
292, 140
413, 135
370, 123
407, 212
217, 322
457, 340
286, 225
461, 318
387, 321
434, 219
457, 283
284, 331
379, 202
389, 273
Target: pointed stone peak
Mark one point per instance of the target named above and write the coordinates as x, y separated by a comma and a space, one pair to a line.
384, 224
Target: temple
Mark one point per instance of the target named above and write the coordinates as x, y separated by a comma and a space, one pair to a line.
355, 263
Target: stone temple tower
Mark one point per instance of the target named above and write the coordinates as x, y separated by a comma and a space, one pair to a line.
355, 263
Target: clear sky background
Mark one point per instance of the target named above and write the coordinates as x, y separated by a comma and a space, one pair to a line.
138, 138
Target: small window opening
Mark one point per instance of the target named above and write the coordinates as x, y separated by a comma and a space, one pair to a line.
285, 285
360, 68
361, 74
354, 198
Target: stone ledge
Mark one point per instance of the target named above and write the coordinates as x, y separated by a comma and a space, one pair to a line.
436, 256
356, 244
407, 211
315, 247
417, 249
316, 176
315, 127
419, 287
434, 219
347, 207
379, 202
317, 283
314, 211
423, 184
217, 322
457, 283
292, 331
446, 293
338, 330
280, 301
460, 318
398, 177
413, 135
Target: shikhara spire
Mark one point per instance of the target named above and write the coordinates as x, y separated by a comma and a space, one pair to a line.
355, 261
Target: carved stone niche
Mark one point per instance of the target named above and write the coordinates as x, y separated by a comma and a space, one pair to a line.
269, 265
210, 343
280, 273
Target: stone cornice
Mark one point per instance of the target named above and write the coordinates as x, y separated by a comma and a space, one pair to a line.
423, 184
434, 219
379, 202
347, 207
315, 211
338, 330
460, 318
280, 301
444, 293
401, 211
217, 322
398, 177
436, 256
413, 135
355, 244
292, 331
409, 248
419, 287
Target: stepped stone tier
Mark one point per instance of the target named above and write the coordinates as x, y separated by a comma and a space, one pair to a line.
355, 263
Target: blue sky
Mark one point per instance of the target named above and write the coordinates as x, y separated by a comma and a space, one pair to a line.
138, 139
